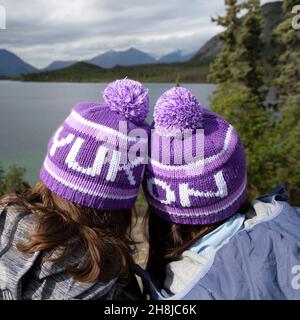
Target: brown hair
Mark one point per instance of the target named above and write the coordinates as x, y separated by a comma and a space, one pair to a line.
168, 240
104, 236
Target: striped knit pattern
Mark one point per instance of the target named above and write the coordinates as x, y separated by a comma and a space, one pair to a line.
204, 191
83, 164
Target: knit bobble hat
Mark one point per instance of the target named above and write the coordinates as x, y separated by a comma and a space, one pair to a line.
88, 159
197, 190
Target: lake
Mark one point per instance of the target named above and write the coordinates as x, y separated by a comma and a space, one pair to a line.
30, 112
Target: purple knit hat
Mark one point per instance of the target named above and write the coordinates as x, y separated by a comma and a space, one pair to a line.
202, 191
87, 161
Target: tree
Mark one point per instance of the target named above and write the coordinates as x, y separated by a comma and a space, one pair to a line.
287, 86
247, 63
289, 140
220, 70
287, 81
239, 98
239, 106
240, 59
11, 180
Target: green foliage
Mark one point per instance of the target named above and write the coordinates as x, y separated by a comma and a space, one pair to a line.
289, 138
239, 106
11, 180
271, 137
239, 97
240, 59
247, 64
220, 70
287, 81
289, 4
287, 86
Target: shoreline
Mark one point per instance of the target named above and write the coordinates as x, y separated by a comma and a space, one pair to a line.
100, 82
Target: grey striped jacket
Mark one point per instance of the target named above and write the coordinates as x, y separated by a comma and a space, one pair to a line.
24, 277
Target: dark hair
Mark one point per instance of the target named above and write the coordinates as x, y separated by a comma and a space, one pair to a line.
168, 240
104, 235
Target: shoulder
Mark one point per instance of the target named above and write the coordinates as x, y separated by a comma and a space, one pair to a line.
15, 222
275, 226
247, 266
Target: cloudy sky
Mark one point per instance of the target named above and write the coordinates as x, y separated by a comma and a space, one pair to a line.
41, 31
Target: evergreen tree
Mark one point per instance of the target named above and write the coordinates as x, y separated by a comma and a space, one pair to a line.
247, 63
239, 106
220, 70
239, 98
240, 58
287, 86
288, 66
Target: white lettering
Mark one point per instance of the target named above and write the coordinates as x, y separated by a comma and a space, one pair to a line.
60, 143
185, 192
170, 194
102, 158
98, 163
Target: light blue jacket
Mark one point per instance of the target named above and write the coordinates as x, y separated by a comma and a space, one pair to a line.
261, 260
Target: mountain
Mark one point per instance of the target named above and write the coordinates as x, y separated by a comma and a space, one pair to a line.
56, 65
11, 64
175, 56
194, 70
130, 57
272, 13
209, 51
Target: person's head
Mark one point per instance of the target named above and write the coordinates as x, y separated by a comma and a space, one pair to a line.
196, 177
88, 185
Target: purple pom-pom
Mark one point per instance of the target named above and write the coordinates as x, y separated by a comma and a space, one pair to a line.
129, 98
177, 109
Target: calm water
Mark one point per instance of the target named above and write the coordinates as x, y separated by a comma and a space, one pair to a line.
30, 112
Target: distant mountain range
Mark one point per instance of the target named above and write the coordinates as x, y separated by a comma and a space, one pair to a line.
191, 67
11, 64
130, 57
